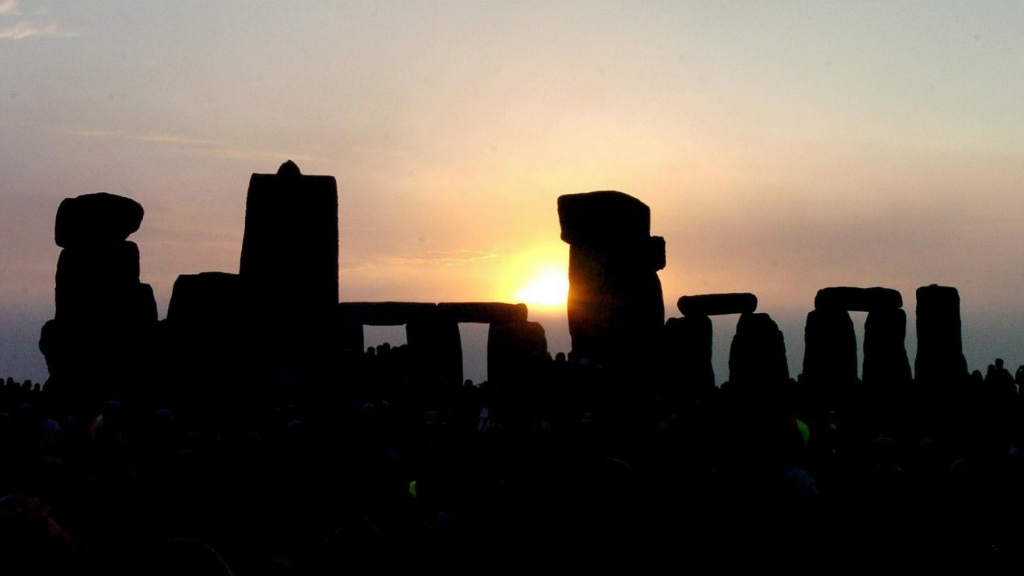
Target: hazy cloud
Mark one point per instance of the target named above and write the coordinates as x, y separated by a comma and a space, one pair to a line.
194, 146
446, 258
23, 30
9, 8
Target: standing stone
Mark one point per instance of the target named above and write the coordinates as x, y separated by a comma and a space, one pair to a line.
687, 352
830, 347
436, 349
615, 306
289, 263
99, 341
758, 352
940, 355
885, 352
290, 245
516, 351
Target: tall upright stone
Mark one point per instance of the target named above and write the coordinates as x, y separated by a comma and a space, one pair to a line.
516, 351
290, 246
289, 264
615, 306
940, 354
830, 347
436, 349
885, 351
687, 345
758, 352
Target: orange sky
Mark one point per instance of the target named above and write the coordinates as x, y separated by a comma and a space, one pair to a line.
782, 147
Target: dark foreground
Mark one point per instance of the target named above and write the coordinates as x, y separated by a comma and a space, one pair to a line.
581, 469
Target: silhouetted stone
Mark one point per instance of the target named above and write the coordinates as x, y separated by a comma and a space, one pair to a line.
515, 350
717, 304
885, 352
605, 217
436, 348
858, 299
687, 351
615, 305
758, 352
208, 297
290, 246
98, 264
940, 356
830, 347
96, 218
385, 313
483, 312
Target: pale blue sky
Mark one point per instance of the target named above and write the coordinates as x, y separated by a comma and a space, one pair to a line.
782, 146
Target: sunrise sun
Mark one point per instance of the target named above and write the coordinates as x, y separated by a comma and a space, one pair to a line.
548, 287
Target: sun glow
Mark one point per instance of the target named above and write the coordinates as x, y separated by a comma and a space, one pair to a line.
548, 288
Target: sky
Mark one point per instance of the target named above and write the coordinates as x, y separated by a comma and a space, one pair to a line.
783, 147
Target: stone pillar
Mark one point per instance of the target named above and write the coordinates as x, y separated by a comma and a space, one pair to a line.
290, 246
758, 352
940, 355
289, 263
885, 351
615, 306
830, 347
687, 351
516, 350
99, 339
436, 348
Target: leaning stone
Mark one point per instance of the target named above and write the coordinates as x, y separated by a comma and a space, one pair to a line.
717, 304
96, 218
858, 299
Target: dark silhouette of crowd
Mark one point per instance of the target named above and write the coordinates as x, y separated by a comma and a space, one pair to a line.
580, 468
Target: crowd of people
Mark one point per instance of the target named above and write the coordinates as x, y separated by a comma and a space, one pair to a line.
580, 467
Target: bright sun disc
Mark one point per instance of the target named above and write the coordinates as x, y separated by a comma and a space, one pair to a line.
547, 289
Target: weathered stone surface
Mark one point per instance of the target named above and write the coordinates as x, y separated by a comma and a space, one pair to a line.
615, 306
830, 347
208, 297
605, 217
96, 218
385, 313
483, 312
290, 246
717, 304
758, 352
858, 299
940, 356
687, 351
436, 349
515, 351
105, 264
885, 351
